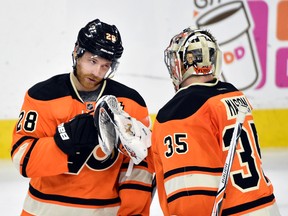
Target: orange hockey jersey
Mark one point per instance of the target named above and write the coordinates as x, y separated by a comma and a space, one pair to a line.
190, 141
89, 183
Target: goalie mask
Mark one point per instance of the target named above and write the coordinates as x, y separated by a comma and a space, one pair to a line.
193, 52
100, 39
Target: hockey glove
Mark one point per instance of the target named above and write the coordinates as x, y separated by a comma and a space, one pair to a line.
117, 129
77, 134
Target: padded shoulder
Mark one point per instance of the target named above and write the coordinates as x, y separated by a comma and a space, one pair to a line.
56, 87
187, 101
120, 90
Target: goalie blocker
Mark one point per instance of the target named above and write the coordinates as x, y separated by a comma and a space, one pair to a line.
117, 129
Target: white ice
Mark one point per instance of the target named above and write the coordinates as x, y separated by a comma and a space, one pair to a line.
13, 187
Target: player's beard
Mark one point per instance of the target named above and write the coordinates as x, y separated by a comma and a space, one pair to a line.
88, 81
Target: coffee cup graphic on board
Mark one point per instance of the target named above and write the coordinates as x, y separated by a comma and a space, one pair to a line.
231, 26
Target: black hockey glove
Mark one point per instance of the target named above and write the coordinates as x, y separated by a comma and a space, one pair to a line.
79, 133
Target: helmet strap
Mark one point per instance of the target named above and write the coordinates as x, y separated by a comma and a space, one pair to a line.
77, 53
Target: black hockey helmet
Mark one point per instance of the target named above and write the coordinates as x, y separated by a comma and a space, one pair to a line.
100, 39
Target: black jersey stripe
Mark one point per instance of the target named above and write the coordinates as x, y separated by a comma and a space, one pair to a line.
191, 193
73, 200
135, 187
248, 205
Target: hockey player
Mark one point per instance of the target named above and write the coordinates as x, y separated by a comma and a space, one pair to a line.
192, 133
56, 145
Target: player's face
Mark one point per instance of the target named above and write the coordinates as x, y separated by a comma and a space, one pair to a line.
189, 58
91, 70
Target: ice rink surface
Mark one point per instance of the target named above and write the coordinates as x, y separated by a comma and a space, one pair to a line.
13, 187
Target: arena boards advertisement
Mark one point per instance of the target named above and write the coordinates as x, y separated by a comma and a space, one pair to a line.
253, 36
254, 39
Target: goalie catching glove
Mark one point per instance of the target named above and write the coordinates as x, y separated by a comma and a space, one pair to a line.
117, 129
